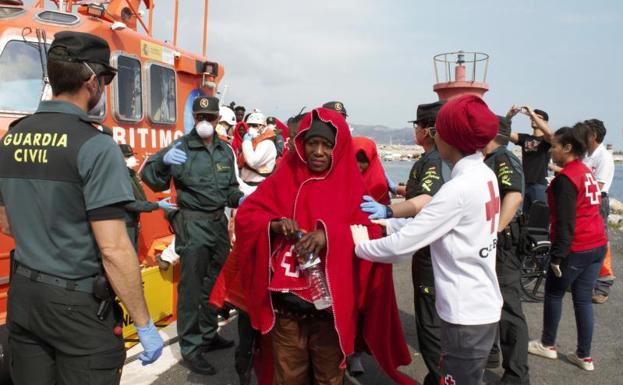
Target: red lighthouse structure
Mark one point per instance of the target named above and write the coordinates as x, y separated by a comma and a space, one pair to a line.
462, 73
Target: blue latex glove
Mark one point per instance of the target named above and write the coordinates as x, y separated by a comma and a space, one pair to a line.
246, 137
242, 198
151, 341
391, 184
376, 210
166, 204
174, 156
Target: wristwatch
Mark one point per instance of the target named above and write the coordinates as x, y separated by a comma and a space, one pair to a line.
389, 213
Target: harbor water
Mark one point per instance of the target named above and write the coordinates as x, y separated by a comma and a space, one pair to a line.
399, 172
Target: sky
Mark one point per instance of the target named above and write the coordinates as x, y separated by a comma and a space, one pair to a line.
377, 56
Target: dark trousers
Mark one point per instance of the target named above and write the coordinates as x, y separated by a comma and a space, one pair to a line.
464, 352
534, 192
579, 270
513, 329
55, 337
203, 245
243, 356
428, 328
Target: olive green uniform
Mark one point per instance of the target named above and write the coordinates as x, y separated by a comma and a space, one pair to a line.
427, 176
134, 209
204, 184
513, 329
58, 173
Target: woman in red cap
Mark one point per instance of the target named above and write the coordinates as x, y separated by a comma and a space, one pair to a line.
460, 225
315, 191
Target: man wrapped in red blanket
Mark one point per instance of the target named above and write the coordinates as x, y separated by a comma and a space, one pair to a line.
317, 189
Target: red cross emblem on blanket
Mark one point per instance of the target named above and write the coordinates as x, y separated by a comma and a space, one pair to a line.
493, 206
449, 380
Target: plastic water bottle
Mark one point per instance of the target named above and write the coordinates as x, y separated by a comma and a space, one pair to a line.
317, 280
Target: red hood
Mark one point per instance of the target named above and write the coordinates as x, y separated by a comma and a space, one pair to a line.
374, 176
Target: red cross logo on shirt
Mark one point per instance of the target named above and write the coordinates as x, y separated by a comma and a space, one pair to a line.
449, 380
492, 207
592, 189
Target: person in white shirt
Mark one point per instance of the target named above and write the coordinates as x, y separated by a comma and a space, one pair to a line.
460, 225
601, 163
258, 150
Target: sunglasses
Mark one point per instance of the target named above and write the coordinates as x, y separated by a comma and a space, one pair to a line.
106, 76
206, 117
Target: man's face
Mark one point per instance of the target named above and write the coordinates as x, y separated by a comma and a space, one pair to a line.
443, 147
533, 123
318, 152
239, 115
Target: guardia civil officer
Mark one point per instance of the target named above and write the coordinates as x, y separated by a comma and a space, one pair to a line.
63, 184
427, 176
202, 169
513, 329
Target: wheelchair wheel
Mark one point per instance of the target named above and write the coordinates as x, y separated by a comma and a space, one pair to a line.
533, 272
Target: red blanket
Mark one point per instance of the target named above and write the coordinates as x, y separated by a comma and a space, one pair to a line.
331, 199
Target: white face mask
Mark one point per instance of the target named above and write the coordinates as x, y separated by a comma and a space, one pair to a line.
254, 132
99, 107
131, 162
204, 129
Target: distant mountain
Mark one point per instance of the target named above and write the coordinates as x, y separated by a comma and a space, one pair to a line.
383, 134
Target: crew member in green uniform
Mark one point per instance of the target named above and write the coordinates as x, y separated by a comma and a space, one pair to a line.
426, 178
202, 169
63, 185
140, 204
513, 330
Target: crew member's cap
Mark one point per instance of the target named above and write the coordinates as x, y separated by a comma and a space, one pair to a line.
126, 150
80, 47
336, 106
467, 123
206, 105
322, 129
427, 112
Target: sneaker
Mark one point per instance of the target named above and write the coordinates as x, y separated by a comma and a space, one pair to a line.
599, 298
582, 363
537, 348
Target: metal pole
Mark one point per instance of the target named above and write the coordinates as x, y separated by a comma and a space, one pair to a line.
205, 28
177, 6
474, 69
151, 18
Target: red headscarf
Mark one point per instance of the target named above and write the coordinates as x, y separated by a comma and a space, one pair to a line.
239, 131
374, 176
331, 201
467, 123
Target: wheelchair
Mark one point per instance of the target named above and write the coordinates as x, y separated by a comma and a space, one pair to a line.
534, 249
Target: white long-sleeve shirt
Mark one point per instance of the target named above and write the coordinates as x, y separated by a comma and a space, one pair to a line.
261, 159
460, 225
602, 165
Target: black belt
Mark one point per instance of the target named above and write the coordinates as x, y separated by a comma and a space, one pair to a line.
84, 285
200, 214
299, 316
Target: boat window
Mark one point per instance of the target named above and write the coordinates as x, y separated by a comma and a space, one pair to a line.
55, 17
128, 89
21, 80
9, 12
162, 104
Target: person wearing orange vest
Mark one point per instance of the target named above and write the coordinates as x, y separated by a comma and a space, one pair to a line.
578, 245
258, 150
